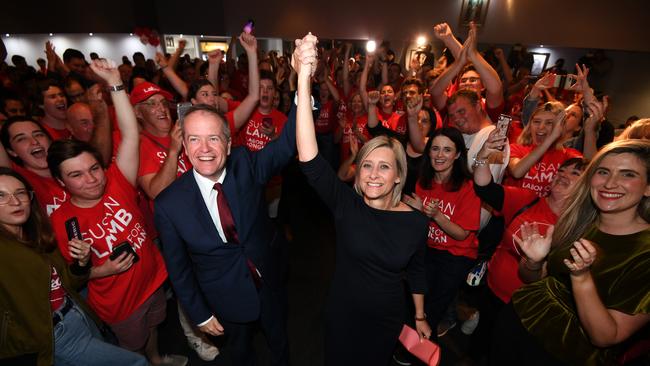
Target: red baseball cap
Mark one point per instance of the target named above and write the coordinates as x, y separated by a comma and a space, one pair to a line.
145, 90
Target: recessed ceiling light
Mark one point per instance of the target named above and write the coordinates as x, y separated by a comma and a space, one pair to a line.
90, 34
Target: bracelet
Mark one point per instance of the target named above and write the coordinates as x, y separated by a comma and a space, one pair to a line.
479, 162
116, 88
422, 318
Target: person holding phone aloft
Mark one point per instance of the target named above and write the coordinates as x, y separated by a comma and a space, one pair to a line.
126, 295
378, 237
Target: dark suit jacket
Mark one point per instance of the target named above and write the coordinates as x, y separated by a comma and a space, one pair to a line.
209, 276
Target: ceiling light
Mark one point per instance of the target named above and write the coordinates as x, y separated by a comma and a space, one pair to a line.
371, 46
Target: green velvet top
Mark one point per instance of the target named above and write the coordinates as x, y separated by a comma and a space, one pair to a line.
621, 273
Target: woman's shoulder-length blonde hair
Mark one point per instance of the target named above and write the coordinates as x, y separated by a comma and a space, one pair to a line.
640, 129
580, 212
526, 137
400, 163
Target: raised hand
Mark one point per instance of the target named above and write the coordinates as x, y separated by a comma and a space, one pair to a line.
472, 39
161, 60
442, 31
596, 113
370, 58
583, 255
373, 97
534, 245
79, 250
354, 145
181, 45
176, 144
215, 56
305, 56
107, 70
498, 53
581, 85
545, 82
558, 125
493, 145
248, 41
414, 105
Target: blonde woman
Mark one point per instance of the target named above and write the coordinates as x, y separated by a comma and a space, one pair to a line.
594, 267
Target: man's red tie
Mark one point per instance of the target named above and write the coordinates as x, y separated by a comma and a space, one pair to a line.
225, 215
228, 225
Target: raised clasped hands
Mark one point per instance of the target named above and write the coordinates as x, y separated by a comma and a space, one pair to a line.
583, 255
305, 56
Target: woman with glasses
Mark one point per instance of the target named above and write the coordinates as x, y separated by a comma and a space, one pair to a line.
43, 320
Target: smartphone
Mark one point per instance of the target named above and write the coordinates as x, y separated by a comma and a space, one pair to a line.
267, 122
122, 247
181, 109
72, 228
249, 27
561, 81
503, 124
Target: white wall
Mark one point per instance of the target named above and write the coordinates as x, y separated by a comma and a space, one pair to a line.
107, 45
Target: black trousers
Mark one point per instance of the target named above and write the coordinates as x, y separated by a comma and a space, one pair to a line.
272, 322
445, 274
513, 345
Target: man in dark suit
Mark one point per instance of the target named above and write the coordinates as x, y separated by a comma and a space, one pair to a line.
223, 254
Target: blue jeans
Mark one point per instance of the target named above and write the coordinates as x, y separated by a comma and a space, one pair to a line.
77, 341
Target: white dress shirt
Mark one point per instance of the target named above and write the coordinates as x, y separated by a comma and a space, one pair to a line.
209, 194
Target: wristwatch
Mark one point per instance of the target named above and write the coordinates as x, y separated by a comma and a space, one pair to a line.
116, 88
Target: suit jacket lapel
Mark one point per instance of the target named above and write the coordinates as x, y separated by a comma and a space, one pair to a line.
197, 205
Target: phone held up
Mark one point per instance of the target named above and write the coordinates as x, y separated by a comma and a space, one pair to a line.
181, 110
249, 27
503, 125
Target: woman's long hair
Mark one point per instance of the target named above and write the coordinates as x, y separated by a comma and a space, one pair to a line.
37, 232
526, 137
581, 212
459, 171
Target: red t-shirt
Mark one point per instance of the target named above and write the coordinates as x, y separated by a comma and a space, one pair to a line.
348, 133
115, 219
49, 193
250, 134
395, 121
55, 133
326, 121
538, 179
57, 292
503, 268
153, 152
463, 208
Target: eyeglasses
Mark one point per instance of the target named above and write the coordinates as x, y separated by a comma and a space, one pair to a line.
22, 196
154, 103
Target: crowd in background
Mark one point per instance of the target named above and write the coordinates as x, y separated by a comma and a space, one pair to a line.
519, 180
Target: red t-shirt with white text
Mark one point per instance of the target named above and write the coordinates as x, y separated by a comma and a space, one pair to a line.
113, 220
463, 208
326, 121
396, 121
251, 136
360, 127
538, 179
153, 153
